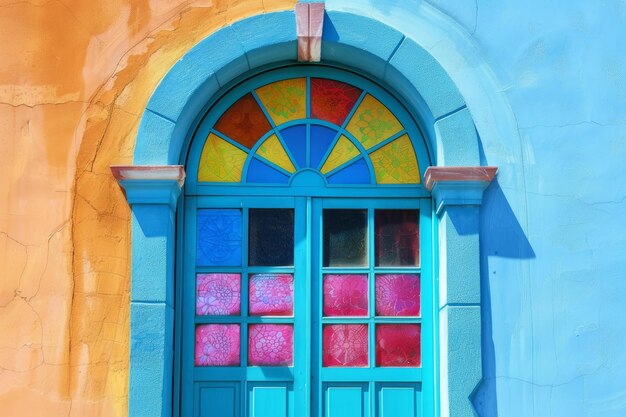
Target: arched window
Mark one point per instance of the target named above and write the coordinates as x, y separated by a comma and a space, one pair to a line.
306, 283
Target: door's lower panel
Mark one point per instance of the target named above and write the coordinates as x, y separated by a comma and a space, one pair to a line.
262, 399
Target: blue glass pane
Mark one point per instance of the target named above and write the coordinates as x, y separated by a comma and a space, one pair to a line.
356, 173
321, 139
219, 237
295, 139
260, 172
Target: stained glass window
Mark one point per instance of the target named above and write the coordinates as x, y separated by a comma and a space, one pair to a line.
270, 345
278, 129
271, 294
218, 237
345, 345
398, 294
345, 295
217, 345
218, 294
398, 345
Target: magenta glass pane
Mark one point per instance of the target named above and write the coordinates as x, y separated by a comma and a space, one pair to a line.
217, 345
345, 295
398, 345
271, 294
218, 294
398, 295
344, 345
270, 345
397, 237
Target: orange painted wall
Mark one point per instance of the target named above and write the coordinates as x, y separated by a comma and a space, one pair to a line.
75, 76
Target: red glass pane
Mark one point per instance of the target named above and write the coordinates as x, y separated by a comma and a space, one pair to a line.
332, 100
271, 294
344, 345
398, 295
397, 237
270, 345
345, 295
218, 294
217, 345
398, 345
244, 122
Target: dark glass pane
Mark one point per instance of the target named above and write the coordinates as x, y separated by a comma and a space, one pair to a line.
271, 237
345, 237
219, 237
397, 237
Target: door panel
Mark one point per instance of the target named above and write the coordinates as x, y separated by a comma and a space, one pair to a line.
346, 400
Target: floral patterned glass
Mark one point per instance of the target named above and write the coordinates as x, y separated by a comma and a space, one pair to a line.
218, 237
396, 234
372, 123
284, 100
332, 100
344, 233
272, 150
217, 345
344, 345
271, 295
220, 161
398, 295
244, 122
270, 345
395, 163
271, 237
345, 295
398, 345
218, 294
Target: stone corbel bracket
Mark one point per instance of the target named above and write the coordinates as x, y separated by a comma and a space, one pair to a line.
150, 184
309, 27
458, 185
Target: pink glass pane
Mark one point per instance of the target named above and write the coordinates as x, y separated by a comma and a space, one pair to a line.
398, 345
397, 237
345, 295
398, 295
271, 294
217, 345
218, 294
344, 345
270, 345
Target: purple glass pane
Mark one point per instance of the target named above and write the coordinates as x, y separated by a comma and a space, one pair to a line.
398, 295
344, 345
217, 345
345, 295
271, 295
397, 237
398, 345
218, 294
270, 345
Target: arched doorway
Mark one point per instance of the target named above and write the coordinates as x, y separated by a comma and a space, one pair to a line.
307, 278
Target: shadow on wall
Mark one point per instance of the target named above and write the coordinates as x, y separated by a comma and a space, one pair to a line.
502, 236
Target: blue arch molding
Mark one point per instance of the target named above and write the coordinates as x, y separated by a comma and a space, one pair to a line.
351, 40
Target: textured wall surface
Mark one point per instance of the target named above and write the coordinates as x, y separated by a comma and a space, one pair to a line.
76, 75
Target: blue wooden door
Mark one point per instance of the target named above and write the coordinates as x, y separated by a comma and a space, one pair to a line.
304, 306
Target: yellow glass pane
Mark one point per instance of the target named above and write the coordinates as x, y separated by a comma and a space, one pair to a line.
273, 151
284, 100
343, 151
372, 122
395, 163
220, 161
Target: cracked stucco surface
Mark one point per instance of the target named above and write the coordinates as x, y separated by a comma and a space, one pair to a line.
74, 80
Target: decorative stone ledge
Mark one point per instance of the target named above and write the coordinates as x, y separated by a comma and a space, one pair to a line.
458, 185
150, 184
309, 27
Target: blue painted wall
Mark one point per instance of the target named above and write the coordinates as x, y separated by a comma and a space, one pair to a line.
546, 85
